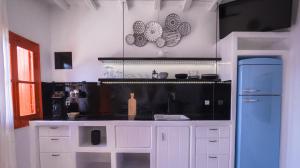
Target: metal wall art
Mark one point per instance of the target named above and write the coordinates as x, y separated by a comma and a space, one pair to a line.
153, 32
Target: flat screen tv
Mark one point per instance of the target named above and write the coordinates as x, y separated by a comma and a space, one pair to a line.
254, 15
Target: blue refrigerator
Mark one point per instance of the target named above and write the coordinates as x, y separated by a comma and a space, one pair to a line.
258, 113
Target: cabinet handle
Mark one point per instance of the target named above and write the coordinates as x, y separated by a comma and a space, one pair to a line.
213, 129
54, 139
55, 155
214, 141
163, 136
53, 127
212, 157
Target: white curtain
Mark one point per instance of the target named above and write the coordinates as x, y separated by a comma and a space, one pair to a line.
7, 145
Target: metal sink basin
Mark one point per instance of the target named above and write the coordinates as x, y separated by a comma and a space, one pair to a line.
165, 117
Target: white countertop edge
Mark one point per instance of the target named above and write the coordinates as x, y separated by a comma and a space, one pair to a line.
128, 122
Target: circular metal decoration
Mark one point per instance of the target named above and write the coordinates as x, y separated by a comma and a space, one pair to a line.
139, 27
172, 38
160, 42
130, 39
140, 40
153, 31
184, 29
172, 21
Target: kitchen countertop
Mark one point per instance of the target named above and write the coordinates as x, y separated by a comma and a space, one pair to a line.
124, 118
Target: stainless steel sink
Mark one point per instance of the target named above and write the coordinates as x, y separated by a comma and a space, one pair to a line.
165, 117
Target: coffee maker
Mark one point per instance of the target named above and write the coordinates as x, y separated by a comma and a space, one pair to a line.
77, 100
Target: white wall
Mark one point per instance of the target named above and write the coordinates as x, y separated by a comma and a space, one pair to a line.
91, 34
293, 144
30, 18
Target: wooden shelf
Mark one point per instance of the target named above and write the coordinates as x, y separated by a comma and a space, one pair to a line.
157, 59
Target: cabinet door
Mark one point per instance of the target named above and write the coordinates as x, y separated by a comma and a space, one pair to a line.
133, 137
212, 146
56, 160
173, 147
212, 161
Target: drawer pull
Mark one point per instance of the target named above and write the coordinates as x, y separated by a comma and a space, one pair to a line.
213, 129
53, 127
214, 141
212, 157
55, 155
54, 139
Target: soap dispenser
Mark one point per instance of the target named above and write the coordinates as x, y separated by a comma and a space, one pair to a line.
131, 106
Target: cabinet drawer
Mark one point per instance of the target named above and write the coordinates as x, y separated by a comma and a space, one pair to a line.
212, 161
56, 160
212, 146
133, 137
54, 131
212, 132
54, 144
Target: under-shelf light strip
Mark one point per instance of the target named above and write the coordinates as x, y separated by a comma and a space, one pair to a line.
161, 82
128, 62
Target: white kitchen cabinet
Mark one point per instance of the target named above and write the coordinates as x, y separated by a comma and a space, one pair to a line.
173, 147
56, 160
212, 147
55, 147
212, 161
133, 137
54, 144
54, 131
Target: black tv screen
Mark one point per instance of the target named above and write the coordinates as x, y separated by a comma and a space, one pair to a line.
254, 15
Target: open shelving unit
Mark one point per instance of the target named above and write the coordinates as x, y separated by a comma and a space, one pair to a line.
93, 160
85, 136
133, 160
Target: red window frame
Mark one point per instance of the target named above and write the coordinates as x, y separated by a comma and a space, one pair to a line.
19, 41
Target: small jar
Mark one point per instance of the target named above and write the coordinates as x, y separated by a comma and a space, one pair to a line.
154, 75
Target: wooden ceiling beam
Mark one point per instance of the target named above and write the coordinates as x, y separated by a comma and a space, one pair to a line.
92, 4
157, 4
187, 5
63, 4
214, 5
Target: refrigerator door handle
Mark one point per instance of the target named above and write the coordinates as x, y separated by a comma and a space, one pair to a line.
251, 90
250, 100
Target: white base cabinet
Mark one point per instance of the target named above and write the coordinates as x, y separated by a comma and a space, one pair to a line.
173, 147
212, 161
212, 147
132, 144
56, 160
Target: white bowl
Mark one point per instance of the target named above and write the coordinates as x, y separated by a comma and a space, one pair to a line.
72, 115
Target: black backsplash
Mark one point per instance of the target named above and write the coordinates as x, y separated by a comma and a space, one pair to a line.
197, 101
